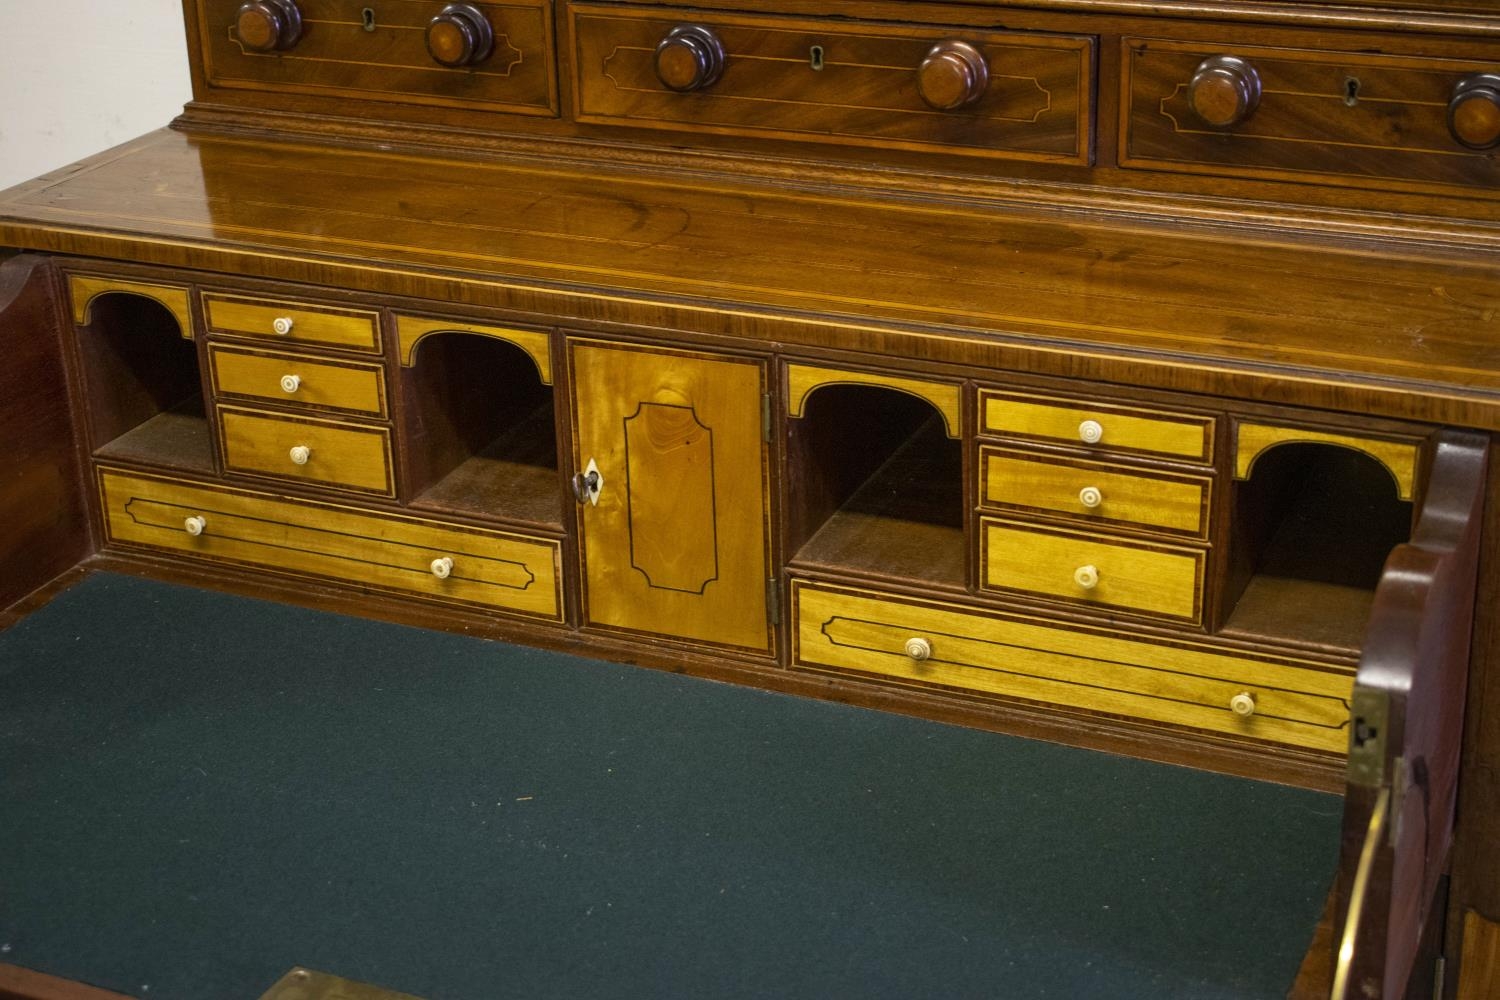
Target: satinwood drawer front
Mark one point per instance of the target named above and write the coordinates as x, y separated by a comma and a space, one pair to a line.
298, 380
1051, 562
293, 322
305, 449
1186, 684
501, 60
990, 93
1099, 426
386, 551
1080, 489
1339, 116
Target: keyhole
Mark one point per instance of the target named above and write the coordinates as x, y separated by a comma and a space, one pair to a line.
815, 57
368, 14
1351, 91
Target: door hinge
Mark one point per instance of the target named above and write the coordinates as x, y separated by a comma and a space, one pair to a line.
1370, 711
1439, 973
765, 417
773, 600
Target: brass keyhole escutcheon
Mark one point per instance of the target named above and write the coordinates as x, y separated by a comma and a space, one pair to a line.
1351, 91
815, 57
367, 17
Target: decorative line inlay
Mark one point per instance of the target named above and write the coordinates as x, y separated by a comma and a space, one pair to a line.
669, 493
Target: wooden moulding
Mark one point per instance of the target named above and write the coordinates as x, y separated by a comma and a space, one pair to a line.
804, 380
410, 330
84, 289
1399, 457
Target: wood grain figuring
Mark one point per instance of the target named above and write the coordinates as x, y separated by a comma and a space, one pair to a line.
342, 456
1479, 975
85, 288
804, 380
1123, 429
863, 89
1398, 457
410, 330
1132, 577
677, 544
379, 550
1017, 657
356, 330
1129, 496
321, 382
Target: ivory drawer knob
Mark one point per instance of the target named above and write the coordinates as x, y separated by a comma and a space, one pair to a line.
1091, 432
194, 525
442, 567
460, 36
300, 454
1224, 91
918, 648
953, 75
1090, 497
1474, 111
690, 58
282, 325
268, 25
291, 383
1086, 577
1243, 704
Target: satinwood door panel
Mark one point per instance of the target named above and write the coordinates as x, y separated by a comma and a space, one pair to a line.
674, 541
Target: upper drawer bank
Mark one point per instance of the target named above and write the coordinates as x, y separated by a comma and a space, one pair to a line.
1019, 95
1293, 113
471, 56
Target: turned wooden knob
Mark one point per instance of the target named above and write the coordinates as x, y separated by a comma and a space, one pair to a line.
460, 36
1224, 90
1474, 111
268, 25
952, 76
691, 57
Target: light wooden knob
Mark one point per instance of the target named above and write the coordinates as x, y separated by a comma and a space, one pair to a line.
1474, 111
953, 75
690, 58
291, 383
1090, 497
460, 36
442, 567
268, 25
918, 648
194, 525
1086, 577
282, 325
1243, 704
1091, 432
1224, 91
300, 454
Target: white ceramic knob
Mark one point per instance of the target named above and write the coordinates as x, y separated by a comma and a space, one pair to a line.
1243, 704
291, 383
442, 567
1086, 577
918, 648
300, 454
283, 325
194, 525
1090, 432
1090, 497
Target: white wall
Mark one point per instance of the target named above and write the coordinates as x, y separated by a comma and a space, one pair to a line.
79, 76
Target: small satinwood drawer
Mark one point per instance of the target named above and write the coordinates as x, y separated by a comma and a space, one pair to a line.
1101, 426
1078, 566
1187, 684
1341, 117
1011, 94
1080, 489
306, 449
386, 551
291, 322
298, 380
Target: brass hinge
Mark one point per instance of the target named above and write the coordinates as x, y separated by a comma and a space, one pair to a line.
773, 600
1439, 973
1369, 714
765, 417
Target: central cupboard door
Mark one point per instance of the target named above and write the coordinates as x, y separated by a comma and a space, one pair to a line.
675, 535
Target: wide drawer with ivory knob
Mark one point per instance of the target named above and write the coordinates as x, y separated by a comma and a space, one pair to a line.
1103, 427
298, 380
306, 449
943, 645
1344, 117
383, 551
292, 322
984, 92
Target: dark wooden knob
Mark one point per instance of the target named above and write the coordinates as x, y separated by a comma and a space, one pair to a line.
691, 57
460, 36
954, 75
1474, 111
268, 25
1224, 91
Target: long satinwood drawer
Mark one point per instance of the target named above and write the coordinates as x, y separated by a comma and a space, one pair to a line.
1100, 426
1021, 95
1078, 566
293, 322
1084, 490
306, 449
386, 551
298, 380
933, 643
1345, 117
